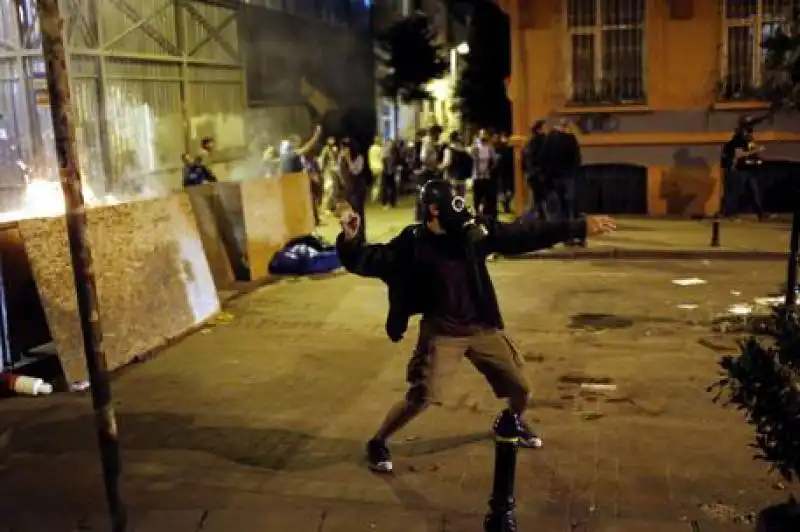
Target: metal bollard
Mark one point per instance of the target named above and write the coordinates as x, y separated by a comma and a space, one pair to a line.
502, 516
715, 233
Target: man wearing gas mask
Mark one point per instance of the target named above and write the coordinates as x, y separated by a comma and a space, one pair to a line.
438, 269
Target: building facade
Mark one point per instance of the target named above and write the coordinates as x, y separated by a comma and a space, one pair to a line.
147, 83
309, 62
655, 88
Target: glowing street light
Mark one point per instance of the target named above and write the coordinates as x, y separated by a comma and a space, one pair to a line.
463, 48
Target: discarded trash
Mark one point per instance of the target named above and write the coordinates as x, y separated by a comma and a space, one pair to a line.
688, 306
222, 317
692, 281
769, 301
79, 386
596, 387
740, 309
25, 385
735, 293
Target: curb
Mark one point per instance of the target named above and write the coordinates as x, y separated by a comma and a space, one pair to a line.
654, 254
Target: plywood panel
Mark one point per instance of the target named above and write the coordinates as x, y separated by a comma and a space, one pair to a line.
206, 206
275, 211
153, 280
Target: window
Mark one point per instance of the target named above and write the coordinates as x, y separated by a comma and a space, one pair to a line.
606, 51
746, 23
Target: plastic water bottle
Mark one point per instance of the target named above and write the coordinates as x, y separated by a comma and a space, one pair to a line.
26, 385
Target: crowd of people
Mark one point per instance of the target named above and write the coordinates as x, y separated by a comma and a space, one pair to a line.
341, 171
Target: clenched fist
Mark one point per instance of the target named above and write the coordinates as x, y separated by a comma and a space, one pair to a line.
600, 225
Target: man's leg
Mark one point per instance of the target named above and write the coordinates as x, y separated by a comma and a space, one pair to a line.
434, 362
733, 192
477, 195
751, 187
394, 179
498, 359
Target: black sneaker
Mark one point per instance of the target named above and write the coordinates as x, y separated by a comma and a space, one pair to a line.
379, 458
528, 438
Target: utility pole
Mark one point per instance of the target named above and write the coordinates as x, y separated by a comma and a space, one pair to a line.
55, 59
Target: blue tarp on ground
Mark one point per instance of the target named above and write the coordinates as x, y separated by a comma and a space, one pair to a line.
305, 256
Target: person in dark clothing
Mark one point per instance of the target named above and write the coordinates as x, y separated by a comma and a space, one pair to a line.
561, 162
438, 269
392, 167
532, 168
456, 164
741, 165
195, 172
505, 170
353, 171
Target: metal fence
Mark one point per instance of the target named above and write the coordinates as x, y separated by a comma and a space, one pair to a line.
149, 80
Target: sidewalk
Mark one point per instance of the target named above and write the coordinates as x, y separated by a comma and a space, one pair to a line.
636, 238
264, 417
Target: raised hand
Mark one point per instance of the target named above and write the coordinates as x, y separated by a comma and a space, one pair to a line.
600, 225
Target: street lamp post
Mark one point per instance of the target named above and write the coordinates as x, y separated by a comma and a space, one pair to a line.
55, 59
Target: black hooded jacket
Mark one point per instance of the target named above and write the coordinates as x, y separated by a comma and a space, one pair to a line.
401, 264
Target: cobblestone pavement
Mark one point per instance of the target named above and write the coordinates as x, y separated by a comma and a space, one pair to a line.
636, 233
259, 424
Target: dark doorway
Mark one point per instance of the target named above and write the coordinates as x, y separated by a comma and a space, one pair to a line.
613, 189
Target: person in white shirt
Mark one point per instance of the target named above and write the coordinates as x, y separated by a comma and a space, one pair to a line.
329, 165
375, 160
484, 189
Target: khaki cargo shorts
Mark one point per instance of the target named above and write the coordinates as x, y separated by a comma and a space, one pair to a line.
436, 360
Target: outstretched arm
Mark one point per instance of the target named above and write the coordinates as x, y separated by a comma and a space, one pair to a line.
528, 234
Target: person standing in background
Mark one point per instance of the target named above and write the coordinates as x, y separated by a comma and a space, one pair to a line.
352, 171
561, 161
532, 168
742, 165
484, 189
329, 165
428, 164
292, 152
375, 159
505, 161
312, 171
457, 164
393, 161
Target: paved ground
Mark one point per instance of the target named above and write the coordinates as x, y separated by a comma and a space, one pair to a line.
636, 233
258, 424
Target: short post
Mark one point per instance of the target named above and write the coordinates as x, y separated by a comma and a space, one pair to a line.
502, 516
715, 232
791, 274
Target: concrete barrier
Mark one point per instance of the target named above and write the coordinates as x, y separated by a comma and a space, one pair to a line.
153, 280
218, 239
249, 221
275, 211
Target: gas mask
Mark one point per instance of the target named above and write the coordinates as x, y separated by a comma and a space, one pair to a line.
454, 216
